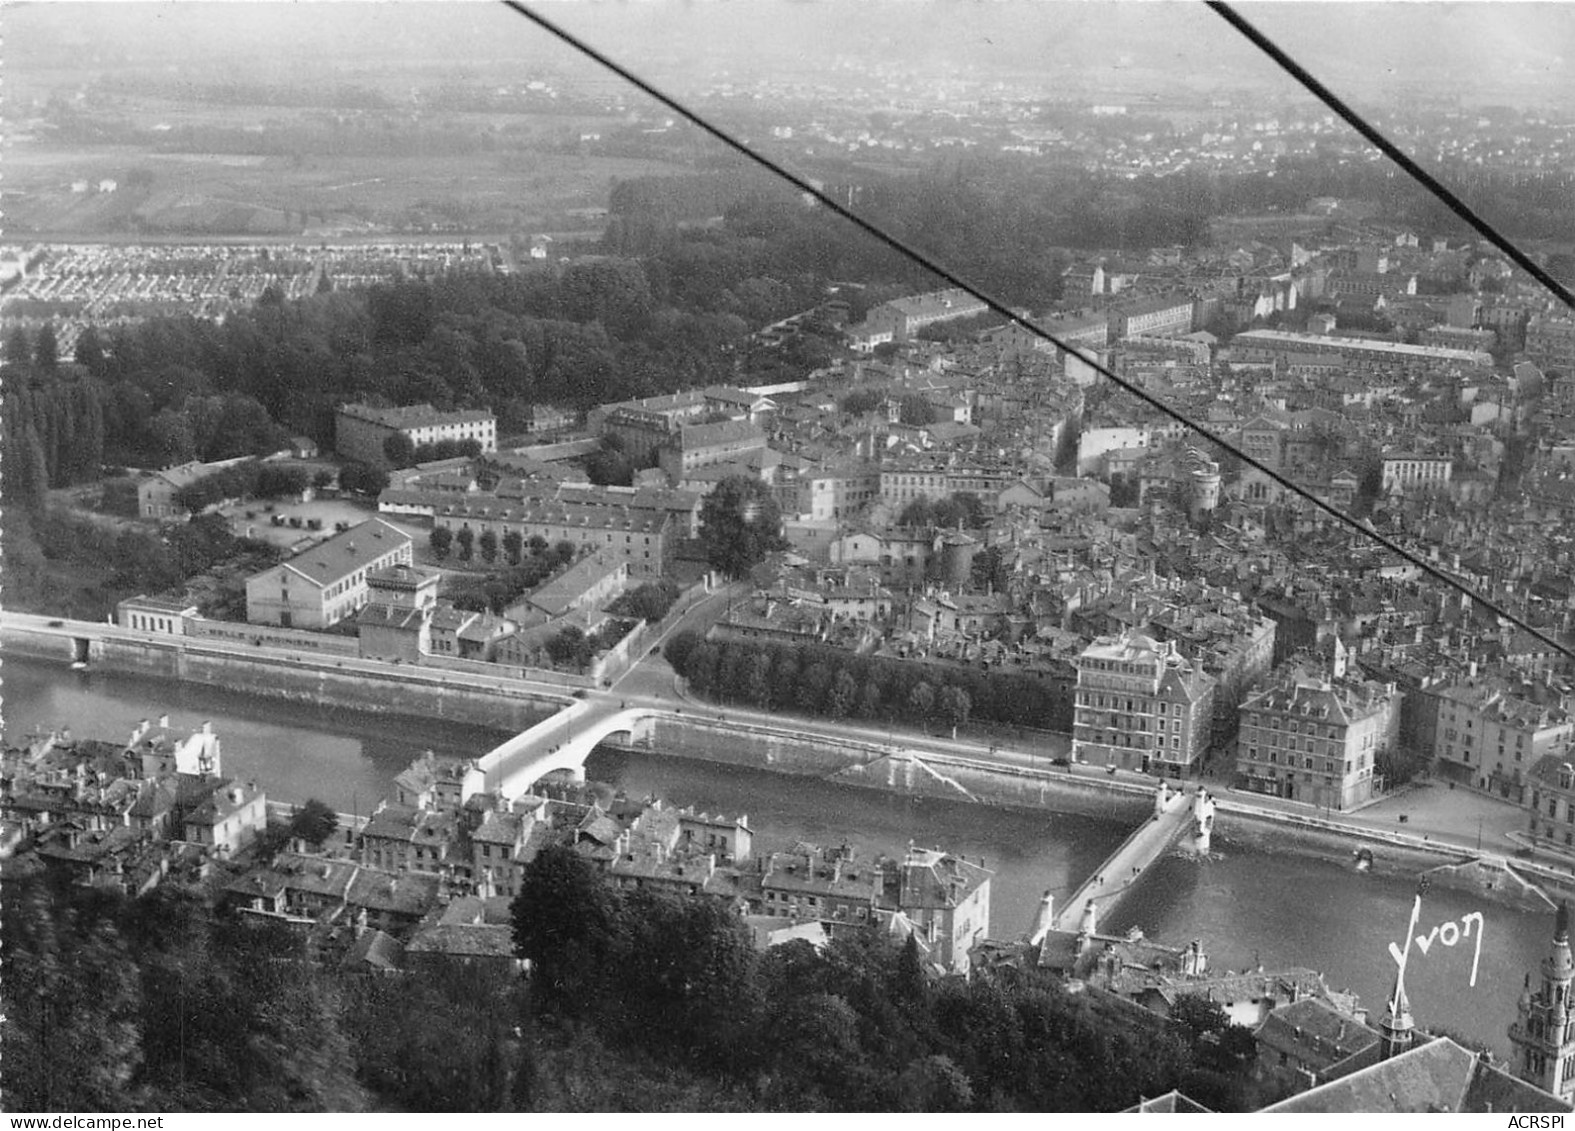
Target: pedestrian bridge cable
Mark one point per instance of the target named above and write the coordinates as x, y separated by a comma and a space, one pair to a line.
999, 308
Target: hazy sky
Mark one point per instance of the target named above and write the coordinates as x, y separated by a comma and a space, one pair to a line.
1509, 51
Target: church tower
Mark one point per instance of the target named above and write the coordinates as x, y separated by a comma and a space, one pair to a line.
1543, 1033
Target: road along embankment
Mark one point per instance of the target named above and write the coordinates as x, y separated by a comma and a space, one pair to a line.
351, 683
384, 688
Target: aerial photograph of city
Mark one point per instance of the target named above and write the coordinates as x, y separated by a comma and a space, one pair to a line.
889, 556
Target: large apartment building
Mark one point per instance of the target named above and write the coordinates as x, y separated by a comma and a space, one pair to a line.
643, 425
937, 477
693, 446
360, 431
905, 317
1317, 741
1141, 705
1162, 314
1491, 740
1405, 473
1550, 342
830, 491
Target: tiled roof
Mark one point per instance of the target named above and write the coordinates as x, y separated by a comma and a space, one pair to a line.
1434, 1077
1314, 1033
414, 416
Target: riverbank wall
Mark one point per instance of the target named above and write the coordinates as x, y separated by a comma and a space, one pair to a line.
887, 767
696, 735
316, 679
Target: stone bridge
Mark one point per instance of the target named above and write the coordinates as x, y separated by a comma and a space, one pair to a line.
562, 742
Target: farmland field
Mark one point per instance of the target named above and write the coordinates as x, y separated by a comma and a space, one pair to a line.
178, 194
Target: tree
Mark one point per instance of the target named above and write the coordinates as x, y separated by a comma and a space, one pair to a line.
169, 439
740, 524
513, 546
488, 545
915, 411
920, 512
757, 680
18, 349
843, 696
363, 479
650, 602
442, 541
954, 706
989, 570
700, 667
861, 401
89, 352
314, 823
962, 509
466, 537
399, 449
678, 648
687, 967
812, 687
46, 349
569, 648
921, 700
607, 467
870, 699
934, 1083
566, 924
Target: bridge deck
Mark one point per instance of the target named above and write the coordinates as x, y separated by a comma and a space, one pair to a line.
1125, 866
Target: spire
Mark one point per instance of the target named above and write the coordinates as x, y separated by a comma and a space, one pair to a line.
1559, 966
1397, 1026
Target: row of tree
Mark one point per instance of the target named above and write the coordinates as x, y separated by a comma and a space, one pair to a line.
401, 451
819, 679
249, 480
501, 588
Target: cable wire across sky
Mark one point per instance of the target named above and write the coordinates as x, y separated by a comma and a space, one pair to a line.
999, 308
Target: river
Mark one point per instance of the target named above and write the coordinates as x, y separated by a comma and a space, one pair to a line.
1248, 906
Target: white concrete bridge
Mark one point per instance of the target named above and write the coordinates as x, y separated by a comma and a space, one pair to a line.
562, 742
